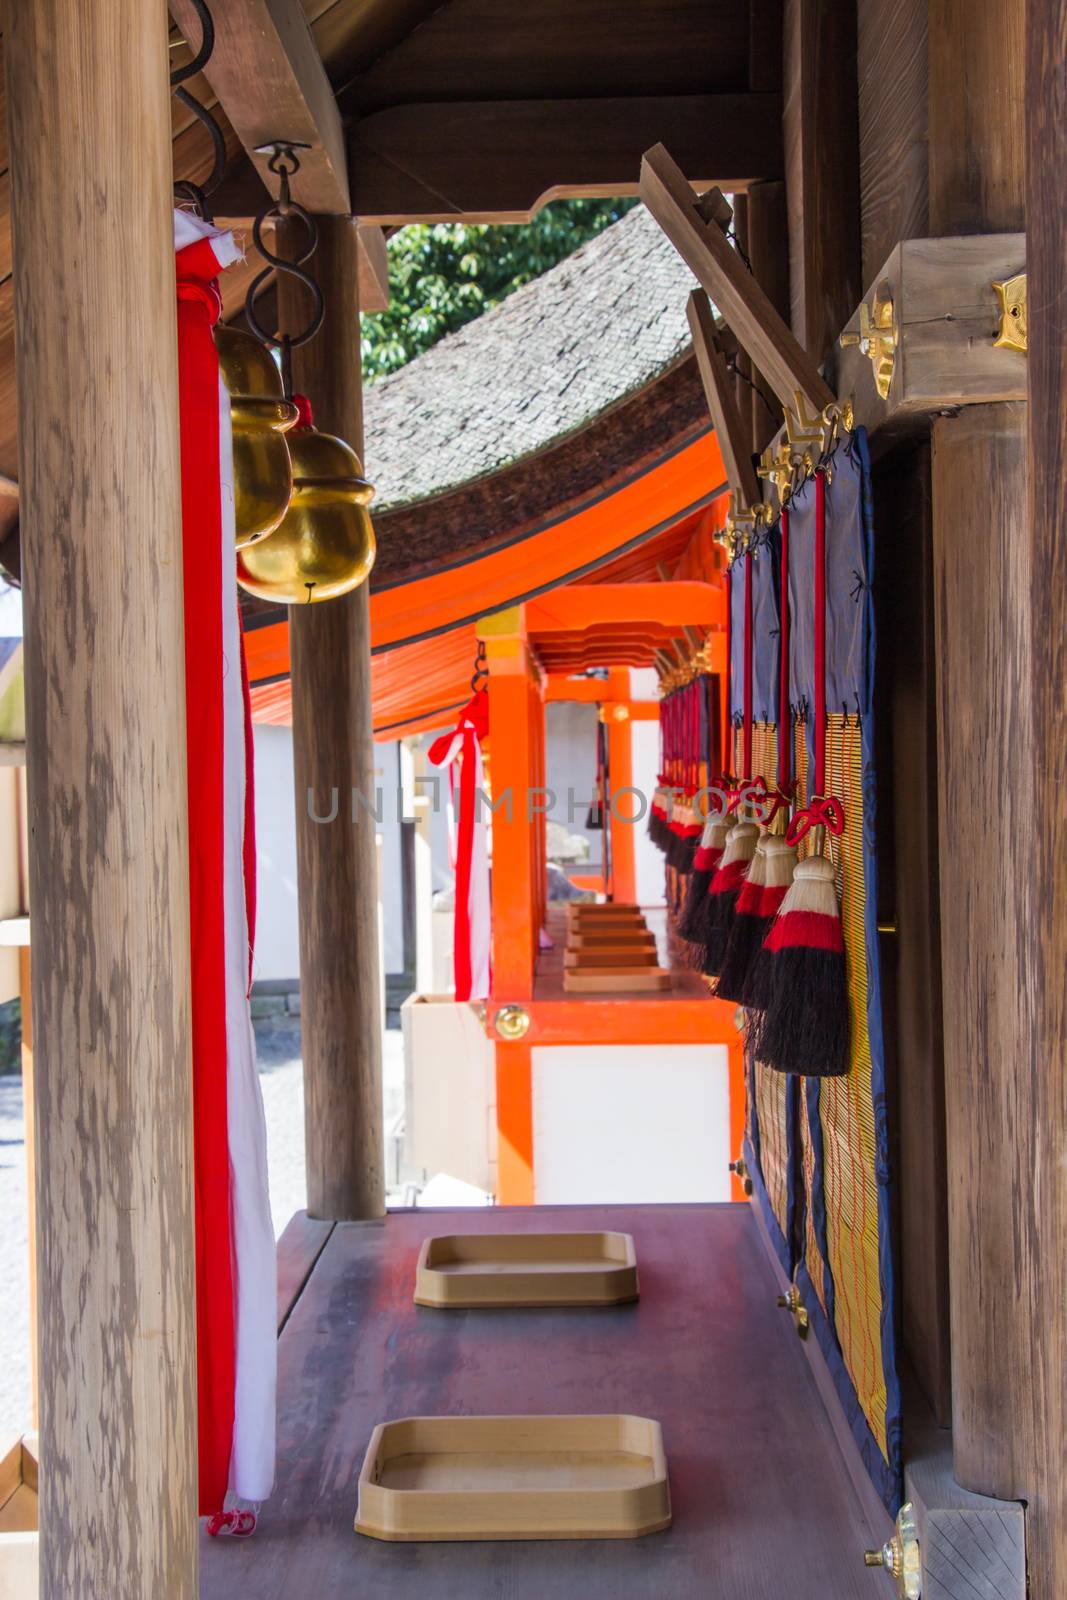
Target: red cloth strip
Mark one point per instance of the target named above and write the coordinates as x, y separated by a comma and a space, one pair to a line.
811, 930
198, 377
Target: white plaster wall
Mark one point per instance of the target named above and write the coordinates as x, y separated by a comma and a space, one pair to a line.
277, 936
630, 1124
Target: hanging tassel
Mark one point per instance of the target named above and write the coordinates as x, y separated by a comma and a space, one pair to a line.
805, 1027
709, 851
770, 875
718, 910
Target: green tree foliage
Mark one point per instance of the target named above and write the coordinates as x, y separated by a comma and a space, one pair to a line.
445, 274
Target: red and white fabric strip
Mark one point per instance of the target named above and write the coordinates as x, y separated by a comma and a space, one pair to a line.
473, 923
235, 1264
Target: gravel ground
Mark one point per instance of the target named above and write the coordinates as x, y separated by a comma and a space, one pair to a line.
283, 1099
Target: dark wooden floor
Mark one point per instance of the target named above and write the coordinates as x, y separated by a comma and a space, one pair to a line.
763, 1507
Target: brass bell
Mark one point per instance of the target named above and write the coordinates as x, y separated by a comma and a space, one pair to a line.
260, 415
325, 545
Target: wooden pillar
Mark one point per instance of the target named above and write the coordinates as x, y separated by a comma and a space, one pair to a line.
977, 116
1041, 1309
621, 812
513, 765
329, 643
89, 120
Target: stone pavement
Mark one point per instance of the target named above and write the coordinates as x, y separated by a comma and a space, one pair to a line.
281, 1078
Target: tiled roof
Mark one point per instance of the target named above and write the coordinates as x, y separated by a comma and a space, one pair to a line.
557, 353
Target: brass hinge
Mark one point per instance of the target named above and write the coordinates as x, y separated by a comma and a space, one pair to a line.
877, 338
740, 1170
1011, 294
791, 1302
900, 1556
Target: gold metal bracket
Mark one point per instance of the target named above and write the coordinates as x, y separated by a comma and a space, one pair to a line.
791, 1302
877, 338
740, 1169
900, 1556
512, 1022
1012, 297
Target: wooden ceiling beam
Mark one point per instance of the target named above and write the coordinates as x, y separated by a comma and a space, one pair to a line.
271, 83
498, 161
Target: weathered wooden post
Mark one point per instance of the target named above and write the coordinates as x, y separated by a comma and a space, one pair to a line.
333, 749
89, 118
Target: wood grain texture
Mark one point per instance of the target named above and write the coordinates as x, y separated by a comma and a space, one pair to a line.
768, 251
977, 115
820, 131
88, 105
1042, 1303
267, 74
992, 893
908, 897
757, 1485
893, 80
499, 160
735, 292
731, 428
302, 1242
332, 749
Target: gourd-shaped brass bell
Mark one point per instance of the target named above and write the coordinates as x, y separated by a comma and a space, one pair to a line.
260, 415
325, 545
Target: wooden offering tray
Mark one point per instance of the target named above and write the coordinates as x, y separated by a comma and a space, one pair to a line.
615, 980
610, 938
434, 1478
526, 1269
19, 1557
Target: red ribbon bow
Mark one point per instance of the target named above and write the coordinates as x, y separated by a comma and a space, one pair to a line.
823, 812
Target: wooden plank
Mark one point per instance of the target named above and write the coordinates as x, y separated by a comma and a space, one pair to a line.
908, 877
337, 869
1036, 583
105, 711
302, 1242
893, 80
498, 161
977, 118
269, 78
733, 289
356, 1352
768, 251
820, 128
988, 663
730, 429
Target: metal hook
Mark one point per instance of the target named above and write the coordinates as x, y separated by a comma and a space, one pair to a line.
285, 163
185, 188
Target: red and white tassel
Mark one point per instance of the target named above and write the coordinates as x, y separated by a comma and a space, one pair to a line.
720, 902
805, 1026
743, 975
708, 855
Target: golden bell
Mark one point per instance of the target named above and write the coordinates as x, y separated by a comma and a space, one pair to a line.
325, 544
260, 415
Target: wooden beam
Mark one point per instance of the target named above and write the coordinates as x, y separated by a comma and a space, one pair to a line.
89, 113
717, 266
977, 116
730, 430
269, 78
498, 161
820, 121
767, 228
332, 746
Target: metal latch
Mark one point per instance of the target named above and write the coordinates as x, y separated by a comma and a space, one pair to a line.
899, 1556
877, 338
791, 1302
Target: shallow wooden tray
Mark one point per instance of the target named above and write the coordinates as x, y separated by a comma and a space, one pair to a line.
19, 1553
526, 1269
611, 937
612, 955
612, 980
431, 1478
600, 919
610, 908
